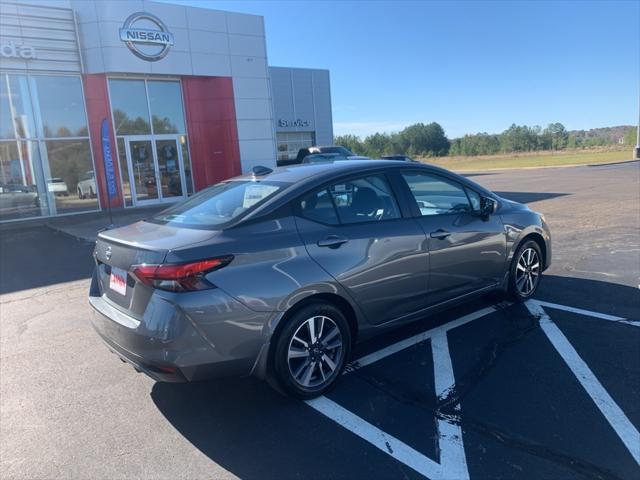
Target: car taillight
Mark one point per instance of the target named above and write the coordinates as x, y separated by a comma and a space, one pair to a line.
180, 277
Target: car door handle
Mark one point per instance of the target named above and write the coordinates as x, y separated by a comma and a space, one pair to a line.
332, 241
440, 234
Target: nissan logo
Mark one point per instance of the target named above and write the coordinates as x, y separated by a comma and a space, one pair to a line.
146, 43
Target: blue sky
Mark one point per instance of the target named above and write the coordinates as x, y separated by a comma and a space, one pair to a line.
470, 66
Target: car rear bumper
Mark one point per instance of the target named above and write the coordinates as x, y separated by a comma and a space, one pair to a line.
182, 337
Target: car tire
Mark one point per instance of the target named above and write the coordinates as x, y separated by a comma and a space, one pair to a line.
80, 196
525, 272
306, 365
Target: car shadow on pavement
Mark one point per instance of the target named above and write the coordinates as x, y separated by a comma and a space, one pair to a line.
254, 432
38, 256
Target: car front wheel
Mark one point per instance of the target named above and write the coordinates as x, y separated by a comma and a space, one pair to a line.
311, 350
526, 269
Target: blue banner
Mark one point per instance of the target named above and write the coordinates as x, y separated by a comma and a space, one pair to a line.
109, 171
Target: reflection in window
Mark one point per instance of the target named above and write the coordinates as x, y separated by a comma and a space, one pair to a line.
289, 143
16, 115
70, 170
19, 176
165, 101
129, 104
61, 106
436, 196
124, 173
186, 160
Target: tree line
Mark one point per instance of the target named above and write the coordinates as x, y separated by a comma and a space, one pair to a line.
429, 140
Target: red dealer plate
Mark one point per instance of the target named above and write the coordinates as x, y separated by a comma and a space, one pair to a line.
118, 280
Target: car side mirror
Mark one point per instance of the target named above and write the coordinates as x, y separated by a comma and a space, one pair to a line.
488, 206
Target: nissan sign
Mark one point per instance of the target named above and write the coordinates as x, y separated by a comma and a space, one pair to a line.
145, 41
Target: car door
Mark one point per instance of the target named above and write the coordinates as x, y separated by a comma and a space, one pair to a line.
354, 229
467, 251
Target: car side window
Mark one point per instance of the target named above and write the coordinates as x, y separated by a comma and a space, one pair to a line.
435, 195
366, 199
319, 208
474, 198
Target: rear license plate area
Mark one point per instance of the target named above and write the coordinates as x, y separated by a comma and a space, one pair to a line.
118, 280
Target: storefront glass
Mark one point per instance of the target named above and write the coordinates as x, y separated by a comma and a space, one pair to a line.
153, 156
130, 109
45, 156
289, 143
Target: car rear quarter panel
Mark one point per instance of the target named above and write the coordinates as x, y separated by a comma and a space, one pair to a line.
271, 270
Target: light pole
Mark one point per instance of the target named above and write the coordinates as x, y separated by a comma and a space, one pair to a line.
636, 151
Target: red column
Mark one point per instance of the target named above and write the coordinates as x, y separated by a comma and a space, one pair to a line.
212, 129
97, 99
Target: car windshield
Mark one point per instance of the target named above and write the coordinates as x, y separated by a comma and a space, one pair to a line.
219, 204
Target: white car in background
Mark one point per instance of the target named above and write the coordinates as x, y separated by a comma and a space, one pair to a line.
58, 187
87, 185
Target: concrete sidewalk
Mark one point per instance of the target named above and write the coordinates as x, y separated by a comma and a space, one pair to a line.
86, 226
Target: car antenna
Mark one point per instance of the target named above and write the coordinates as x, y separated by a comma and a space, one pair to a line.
260, 170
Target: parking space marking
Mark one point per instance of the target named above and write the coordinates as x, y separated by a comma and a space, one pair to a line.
453, 462
609, 408
588, 313
379, 439
420, 337
452, 454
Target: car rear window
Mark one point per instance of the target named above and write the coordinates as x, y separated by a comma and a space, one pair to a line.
219, 204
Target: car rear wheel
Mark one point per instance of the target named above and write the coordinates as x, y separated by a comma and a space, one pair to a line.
311, 350
526, 269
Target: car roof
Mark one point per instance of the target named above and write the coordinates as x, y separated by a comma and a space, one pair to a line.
304, 171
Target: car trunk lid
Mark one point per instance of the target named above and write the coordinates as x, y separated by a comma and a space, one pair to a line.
118, 250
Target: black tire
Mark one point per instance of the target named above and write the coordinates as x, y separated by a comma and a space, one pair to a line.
523, 284
319, 357
80, 196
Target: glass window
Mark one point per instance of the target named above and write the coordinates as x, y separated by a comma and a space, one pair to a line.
61, 106
366, 199
319, 208
16, 114
187, 164
436, 196
474, 198
289, 143
19, 176
165, 99
129, 105
124, 172
70, 181
218, 204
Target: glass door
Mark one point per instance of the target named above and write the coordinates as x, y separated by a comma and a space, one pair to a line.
142, 170
170, 169
155, 168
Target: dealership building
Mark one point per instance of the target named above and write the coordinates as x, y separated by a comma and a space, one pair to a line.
104, 102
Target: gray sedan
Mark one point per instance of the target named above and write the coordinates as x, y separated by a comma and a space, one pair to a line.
278, 273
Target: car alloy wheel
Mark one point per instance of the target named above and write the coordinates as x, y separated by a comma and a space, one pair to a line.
315, 352
527, 272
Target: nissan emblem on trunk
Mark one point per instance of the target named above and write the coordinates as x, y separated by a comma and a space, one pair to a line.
145, 41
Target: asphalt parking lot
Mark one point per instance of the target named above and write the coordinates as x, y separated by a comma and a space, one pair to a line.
548, 389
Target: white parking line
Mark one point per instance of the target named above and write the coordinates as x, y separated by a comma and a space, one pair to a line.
453, 462
452, 457
588, 313
420, 337
609, 408
379, 439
